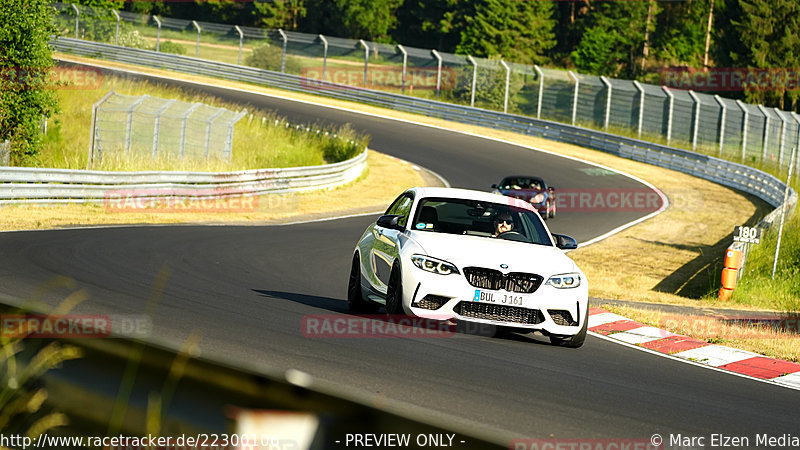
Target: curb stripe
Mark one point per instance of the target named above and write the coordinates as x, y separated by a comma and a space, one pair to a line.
740, 362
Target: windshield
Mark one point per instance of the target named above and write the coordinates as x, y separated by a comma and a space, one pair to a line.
521, 183
480, 218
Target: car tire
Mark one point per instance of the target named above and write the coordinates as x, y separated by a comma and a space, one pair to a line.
355, 299
576, 340
394, 293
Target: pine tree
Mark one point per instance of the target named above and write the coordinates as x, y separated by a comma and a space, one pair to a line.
283, 14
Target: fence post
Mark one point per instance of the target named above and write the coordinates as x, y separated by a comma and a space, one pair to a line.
608, 102
721, 122
781, 146
784, 205
508, 83
184, 119
669, 114
474, 79
405, 66
324, 55
197, 46
5, 153
797, 159
116, 33
285, 39
574, 97
228, 151
129, 122
744, 128
541, 91
77, 18
93, 130
366, 59
695, 118
640, 88
209, 122
157, 125
438, 71
764, 135
158, 34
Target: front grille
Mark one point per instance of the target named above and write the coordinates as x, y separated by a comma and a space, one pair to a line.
561, 317
500, 313
431, 302
484, 278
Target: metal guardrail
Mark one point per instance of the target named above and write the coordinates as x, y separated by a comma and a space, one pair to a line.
26, 184
738, 176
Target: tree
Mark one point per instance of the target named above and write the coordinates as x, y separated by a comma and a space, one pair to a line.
360, 19
521, 31
431, 23
613, 39
25, 29
279, 13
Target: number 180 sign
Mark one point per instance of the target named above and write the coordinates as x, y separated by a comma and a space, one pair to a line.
751, 235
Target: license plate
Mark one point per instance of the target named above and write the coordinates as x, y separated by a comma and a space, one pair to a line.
499, 298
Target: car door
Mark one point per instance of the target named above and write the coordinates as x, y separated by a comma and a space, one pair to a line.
384, 249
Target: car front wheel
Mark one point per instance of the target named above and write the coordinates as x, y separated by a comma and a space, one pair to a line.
576, 340
394, 293
355, 301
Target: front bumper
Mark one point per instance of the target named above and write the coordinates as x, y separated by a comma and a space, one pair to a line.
550, 310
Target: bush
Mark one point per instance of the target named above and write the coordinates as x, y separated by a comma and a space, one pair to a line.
269, 57
346, 143
132, 39
172, 47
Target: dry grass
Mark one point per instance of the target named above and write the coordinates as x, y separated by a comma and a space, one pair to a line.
385, 179
737, 333
669, 259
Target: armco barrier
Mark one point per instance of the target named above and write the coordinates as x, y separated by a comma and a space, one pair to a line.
738, 176
34, 185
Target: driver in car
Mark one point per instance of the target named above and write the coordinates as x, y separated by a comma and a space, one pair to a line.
503, 223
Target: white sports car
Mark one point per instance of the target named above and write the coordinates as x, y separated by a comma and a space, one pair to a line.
447, 254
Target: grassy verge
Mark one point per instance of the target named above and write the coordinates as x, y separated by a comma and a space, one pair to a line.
730, 332
261, 139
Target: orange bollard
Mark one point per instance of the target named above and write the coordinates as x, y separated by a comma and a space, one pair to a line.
725, 294
729, 278
734, 258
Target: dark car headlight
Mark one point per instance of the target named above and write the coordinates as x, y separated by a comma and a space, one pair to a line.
434, 265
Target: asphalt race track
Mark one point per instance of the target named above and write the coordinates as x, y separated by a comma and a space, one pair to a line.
246, 290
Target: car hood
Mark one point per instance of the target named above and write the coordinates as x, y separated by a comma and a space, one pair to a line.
465, 251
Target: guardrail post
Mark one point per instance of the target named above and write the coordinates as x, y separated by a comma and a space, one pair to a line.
695, 118
508, 83
474, 79
669, 113
158, 34
197, 46
574, 96
93, 131
438, 71
209, 122
116, 33
724, 110
640, 88
324, 55
366, 59
157, 125
541, 91
764, 135
608, 102
405, 66
185, 118
285, 39
744, 128
77, 18
129, 122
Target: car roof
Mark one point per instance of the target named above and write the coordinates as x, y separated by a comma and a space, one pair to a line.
422, 192
524, 176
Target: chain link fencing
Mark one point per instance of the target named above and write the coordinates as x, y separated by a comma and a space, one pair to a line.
696, 121
146, 126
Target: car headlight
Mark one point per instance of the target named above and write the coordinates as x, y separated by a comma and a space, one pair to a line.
565, 281
434, 265
538, 198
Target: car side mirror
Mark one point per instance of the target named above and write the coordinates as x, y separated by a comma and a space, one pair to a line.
494, 186
390, 221
565, 242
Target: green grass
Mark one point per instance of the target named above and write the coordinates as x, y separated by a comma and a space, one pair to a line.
258, 142
757, 287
